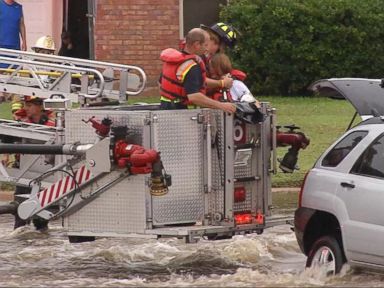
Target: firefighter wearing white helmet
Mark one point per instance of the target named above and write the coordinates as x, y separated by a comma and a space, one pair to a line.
45, 44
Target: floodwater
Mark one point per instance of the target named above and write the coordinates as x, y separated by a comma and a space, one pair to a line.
30, 259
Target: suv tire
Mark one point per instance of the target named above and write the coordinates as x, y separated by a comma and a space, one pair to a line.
326, 251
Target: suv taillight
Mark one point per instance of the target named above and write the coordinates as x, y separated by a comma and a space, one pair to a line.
302, 188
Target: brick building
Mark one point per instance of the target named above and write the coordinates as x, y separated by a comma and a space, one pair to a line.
135, 31
122, 31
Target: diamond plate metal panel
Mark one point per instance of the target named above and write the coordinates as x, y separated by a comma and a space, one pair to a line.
122, 208
77, 130
243, 171
117, 210
180, 139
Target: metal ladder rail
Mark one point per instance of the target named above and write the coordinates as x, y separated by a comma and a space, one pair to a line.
109, 70
14, 84
27, 130
31, 131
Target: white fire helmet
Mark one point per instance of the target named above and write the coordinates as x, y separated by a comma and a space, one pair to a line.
44, 42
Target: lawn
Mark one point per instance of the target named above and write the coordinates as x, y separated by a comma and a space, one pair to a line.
321, 119
5, 110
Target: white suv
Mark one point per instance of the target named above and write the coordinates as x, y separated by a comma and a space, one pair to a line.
341, 204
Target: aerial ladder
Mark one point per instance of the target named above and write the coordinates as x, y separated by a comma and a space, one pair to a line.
45, 75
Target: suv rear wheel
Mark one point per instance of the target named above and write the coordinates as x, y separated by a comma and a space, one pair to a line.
326, 253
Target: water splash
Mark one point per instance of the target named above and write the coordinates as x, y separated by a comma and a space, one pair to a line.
30, 258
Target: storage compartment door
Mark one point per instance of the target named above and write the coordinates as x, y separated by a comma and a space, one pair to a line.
179, 136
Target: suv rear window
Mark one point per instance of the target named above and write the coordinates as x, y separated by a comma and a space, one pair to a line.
342, 149
371, 162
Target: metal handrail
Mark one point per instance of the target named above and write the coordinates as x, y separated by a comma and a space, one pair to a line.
61, 67
80, 62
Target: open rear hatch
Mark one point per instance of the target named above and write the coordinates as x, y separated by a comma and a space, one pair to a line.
366, 95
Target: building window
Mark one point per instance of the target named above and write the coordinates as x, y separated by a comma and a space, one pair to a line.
196, 12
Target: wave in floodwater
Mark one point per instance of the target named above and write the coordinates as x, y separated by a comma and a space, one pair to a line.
29, 258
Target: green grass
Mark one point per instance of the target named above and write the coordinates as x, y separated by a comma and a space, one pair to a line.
323, 120
5, 110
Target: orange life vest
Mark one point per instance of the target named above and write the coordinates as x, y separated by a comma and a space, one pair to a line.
175, 66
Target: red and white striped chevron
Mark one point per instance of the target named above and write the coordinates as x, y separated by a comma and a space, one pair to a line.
63, 186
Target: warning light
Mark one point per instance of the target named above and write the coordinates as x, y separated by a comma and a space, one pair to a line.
259, 218
239, 194
244, 218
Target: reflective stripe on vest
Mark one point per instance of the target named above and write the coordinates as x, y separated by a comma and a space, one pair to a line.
184, 68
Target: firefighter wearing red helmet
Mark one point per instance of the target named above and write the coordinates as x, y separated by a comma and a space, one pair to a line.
33, 112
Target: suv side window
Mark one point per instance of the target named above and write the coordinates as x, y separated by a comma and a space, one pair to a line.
342, 149
371, 162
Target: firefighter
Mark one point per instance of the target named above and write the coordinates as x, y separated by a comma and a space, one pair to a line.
43, 45
32, 112
16, 105
221, 35
183, 77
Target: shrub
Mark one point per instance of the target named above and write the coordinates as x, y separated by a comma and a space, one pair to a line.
287, 44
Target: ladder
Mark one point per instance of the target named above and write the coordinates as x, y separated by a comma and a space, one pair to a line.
17, 130
81, 81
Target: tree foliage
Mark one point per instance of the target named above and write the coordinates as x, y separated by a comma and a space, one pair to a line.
287, 44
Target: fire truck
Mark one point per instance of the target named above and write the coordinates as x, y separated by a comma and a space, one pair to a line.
109, 169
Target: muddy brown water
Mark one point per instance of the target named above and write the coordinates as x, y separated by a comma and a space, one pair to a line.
33, 259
